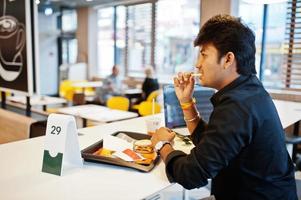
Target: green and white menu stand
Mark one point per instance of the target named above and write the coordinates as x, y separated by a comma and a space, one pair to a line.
61, 150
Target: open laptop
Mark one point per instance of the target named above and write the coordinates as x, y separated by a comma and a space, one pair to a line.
172, 111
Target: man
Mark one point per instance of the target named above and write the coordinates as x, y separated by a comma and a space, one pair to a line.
112, 86
242, 147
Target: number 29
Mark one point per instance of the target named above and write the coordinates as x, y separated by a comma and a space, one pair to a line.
55, 130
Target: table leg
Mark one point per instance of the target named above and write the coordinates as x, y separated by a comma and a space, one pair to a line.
296, 128
185, 194
3, 100
28, 107
84, 122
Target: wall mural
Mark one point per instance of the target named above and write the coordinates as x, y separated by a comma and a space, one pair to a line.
15, 67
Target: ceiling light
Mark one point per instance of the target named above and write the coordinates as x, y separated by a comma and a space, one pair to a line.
48, 11
37, 1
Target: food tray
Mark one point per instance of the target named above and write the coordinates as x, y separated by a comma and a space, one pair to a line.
88, 155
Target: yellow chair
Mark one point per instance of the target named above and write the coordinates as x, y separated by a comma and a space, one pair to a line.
153, 95
146, 108
67, 89
88, 91
150, 97
51, 110
119, 103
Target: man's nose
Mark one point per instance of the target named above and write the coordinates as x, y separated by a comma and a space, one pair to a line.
198, 65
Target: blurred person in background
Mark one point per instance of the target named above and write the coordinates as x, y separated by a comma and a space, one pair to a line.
112, 86
150, 83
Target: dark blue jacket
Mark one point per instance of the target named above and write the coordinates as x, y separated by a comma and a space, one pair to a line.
242, 148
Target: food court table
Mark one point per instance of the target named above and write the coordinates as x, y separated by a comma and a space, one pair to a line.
88, 84
21, 176
97, 113
131, 94
289, 113
38, 100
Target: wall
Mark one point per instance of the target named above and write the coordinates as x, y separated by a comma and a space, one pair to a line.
82, 34
86, 35
92, 44
48, 50
209, 8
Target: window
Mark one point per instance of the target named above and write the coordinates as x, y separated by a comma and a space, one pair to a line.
255, 23
146, 34
176, 31
69, 50
292, 71
105, 40
67, 40
139, 37
273, 58
275, 33
69, 20
120, 37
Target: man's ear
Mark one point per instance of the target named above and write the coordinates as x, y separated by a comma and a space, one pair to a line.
229, 59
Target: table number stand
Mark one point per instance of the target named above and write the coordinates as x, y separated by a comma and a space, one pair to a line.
61, 150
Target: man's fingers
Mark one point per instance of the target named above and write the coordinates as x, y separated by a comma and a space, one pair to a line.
176, 82
180, 77
187, 75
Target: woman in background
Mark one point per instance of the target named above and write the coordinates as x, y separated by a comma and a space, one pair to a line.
150, 83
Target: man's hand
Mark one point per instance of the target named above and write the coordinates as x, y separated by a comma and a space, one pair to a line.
162, 134
184, 86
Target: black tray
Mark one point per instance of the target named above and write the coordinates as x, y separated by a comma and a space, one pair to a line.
87, 153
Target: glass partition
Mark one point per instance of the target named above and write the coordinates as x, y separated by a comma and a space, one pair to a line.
175, 32
274, 40
105, 41
139, 37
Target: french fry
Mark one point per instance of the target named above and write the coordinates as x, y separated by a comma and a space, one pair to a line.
196, 74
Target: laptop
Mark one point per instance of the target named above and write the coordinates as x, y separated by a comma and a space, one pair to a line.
172, 110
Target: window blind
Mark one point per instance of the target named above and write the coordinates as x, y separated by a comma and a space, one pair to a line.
292, 47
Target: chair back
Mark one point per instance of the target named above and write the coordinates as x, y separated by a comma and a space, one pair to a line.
153, 95
119, 103
66, 90
78, 99
146, 108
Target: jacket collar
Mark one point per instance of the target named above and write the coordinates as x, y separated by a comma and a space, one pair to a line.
216, 97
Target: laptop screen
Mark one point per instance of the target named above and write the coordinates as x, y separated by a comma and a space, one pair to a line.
172, 110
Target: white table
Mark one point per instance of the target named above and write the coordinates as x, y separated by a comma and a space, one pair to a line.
88, 84
97, 113
289, 112
37, 100
133, 91
21, 176
133, 94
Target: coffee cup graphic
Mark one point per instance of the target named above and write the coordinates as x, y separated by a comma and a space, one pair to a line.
12, 42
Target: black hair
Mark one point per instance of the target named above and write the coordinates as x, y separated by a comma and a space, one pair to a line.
229, 34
